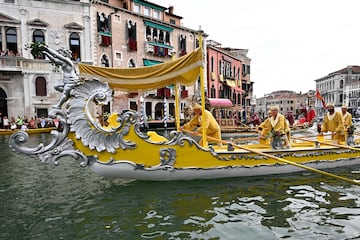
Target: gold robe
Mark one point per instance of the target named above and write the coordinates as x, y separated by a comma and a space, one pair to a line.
347, 124
347, 120
333, 123
211, 125
279, 124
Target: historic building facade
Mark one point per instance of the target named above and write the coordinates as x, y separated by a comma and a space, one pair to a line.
341, 87
108, 33
136, 33
228, 74
27, 82
287, 101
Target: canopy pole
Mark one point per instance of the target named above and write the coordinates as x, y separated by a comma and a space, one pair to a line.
177, 109
202, 89
177, 101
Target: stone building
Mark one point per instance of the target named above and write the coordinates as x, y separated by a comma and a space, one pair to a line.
341, 87
27, 82
287, 101
108, 33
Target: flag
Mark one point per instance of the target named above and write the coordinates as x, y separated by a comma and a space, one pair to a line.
318, 96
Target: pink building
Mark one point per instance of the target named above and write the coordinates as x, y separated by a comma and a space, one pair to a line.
228, 74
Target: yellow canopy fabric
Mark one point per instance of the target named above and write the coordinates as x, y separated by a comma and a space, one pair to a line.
185, 70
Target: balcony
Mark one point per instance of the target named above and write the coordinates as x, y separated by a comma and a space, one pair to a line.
11, 64
159, 49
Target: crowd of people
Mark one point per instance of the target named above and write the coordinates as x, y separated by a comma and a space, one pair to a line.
25, 123
9, 53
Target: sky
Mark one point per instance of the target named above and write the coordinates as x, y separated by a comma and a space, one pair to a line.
291, 42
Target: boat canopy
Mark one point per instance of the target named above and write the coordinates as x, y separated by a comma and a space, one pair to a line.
220, 102
184, 70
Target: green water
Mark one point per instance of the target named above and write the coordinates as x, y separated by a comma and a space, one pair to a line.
69, 202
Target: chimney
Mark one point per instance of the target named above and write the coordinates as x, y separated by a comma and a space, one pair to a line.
171, 9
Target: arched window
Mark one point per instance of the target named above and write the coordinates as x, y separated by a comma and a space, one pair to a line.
75, 46
38, 36
131, 63
11, 41
40, 86
213, 92
105, 61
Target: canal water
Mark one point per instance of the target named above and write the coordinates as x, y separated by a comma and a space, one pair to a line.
70, 202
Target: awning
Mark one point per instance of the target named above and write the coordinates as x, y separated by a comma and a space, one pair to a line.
221, 78
184, 70
150, 62
230, 83
220, 102
158, 26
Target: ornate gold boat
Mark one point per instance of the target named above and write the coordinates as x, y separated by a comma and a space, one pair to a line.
123, 150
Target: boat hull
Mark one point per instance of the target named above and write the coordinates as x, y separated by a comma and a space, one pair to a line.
126, 170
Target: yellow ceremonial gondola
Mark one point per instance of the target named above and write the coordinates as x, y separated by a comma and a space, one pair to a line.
123, 150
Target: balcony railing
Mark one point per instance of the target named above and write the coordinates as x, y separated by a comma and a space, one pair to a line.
11, 63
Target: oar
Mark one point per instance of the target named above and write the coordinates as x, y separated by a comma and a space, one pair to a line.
327, 143
279, 159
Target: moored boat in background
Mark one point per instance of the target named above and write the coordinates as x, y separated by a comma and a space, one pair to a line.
29, 130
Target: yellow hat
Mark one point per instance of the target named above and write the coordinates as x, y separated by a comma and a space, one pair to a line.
276, 108
344, 107
330, 105
196, 106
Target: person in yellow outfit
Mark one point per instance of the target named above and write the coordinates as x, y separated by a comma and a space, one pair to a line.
211, 125
347, 117
278, 125
347, 121
334, 123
